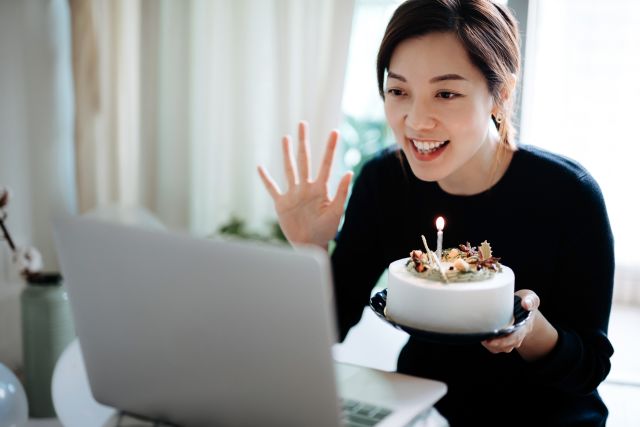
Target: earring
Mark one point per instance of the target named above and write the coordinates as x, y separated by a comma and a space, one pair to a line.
499, 118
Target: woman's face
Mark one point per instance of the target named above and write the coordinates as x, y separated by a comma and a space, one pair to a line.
438, 105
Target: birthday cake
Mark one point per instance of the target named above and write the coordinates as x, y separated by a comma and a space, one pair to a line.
464, 290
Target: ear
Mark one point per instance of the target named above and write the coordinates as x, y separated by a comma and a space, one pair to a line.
506, 92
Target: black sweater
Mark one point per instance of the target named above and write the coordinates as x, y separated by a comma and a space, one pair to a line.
547, 220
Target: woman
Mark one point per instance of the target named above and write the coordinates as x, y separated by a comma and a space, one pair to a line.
447, 73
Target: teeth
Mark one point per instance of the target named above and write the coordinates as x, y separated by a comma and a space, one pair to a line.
427, 147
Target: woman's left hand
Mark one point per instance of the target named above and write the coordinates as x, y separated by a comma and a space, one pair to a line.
507, 343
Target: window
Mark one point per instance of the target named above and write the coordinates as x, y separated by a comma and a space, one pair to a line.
364, 130
581, 98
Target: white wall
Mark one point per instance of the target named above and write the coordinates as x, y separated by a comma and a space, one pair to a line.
36, 141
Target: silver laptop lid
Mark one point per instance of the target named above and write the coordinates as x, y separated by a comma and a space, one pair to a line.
201, 332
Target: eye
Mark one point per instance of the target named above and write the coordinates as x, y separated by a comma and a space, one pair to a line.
447, 95
395, 92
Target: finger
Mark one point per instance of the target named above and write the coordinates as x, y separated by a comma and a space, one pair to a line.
496, 342
490, 347
289, 168
531, 303
504, 341
499, 346
530, 300
327, 161
269, 183
342, 191
303, 152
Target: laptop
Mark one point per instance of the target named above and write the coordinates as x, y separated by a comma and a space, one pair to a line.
205, 332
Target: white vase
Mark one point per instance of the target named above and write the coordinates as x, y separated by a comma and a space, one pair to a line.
14, 410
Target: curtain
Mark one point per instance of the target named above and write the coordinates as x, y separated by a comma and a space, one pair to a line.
183, 99
36, 122
106, 78
580, 99
36, 142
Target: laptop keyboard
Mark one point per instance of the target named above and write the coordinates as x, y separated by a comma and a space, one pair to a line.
359, 414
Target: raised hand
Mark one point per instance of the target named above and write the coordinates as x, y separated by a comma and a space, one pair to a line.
306, 212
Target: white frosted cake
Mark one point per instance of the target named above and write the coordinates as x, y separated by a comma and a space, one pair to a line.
464, 291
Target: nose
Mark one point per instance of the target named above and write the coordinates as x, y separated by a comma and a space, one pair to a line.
420, 117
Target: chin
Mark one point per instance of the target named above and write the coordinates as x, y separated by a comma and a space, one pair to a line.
424, 172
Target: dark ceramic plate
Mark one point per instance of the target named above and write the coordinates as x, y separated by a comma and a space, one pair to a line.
379, 302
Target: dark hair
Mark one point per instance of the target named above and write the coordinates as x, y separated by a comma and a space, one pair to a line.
488, 31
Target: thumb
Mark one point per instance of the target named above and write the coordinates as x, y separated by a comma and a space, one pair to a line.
530, 300
342, 191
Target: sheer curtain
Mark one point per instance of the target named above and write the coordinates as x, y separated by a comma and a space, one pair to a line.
105, 62
192, 95
36, 142
581, 99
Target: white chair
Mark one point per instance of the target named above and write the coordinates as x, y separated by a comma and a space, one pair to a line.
72, 398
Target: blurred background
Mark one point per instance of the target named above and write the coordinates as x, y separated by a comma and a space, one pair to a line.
170, 105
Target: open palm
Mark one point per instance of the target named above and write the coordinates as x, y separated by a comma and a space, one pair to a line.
306, 212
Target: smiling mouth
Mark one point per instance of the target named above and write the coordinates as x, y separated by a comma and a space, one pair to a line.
428, 147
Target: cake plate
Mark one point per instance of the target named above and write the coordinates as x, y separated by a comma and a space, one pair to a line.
378, 303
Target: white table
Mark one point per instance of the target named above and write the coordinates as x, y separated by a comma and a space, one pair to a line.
76, 407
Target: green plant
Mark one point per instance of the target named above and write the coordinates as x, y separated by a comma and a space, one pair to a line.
362, 138
237, 227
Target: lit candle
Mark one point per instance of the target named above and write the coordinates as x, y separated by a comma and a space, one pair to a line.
439, 226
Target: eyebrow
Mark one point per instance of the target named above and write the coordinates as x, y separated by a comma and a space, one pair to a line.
435, 79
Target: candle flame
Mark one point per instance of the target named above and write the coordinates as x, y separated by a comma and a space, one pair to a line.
440, 223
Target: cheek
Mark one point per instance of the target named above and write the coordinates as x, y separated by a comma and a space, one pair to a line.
393, 113
469, 120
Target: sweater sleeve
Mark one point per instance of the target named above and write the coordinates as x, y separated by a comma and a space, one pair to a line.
356, 266
580, 360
